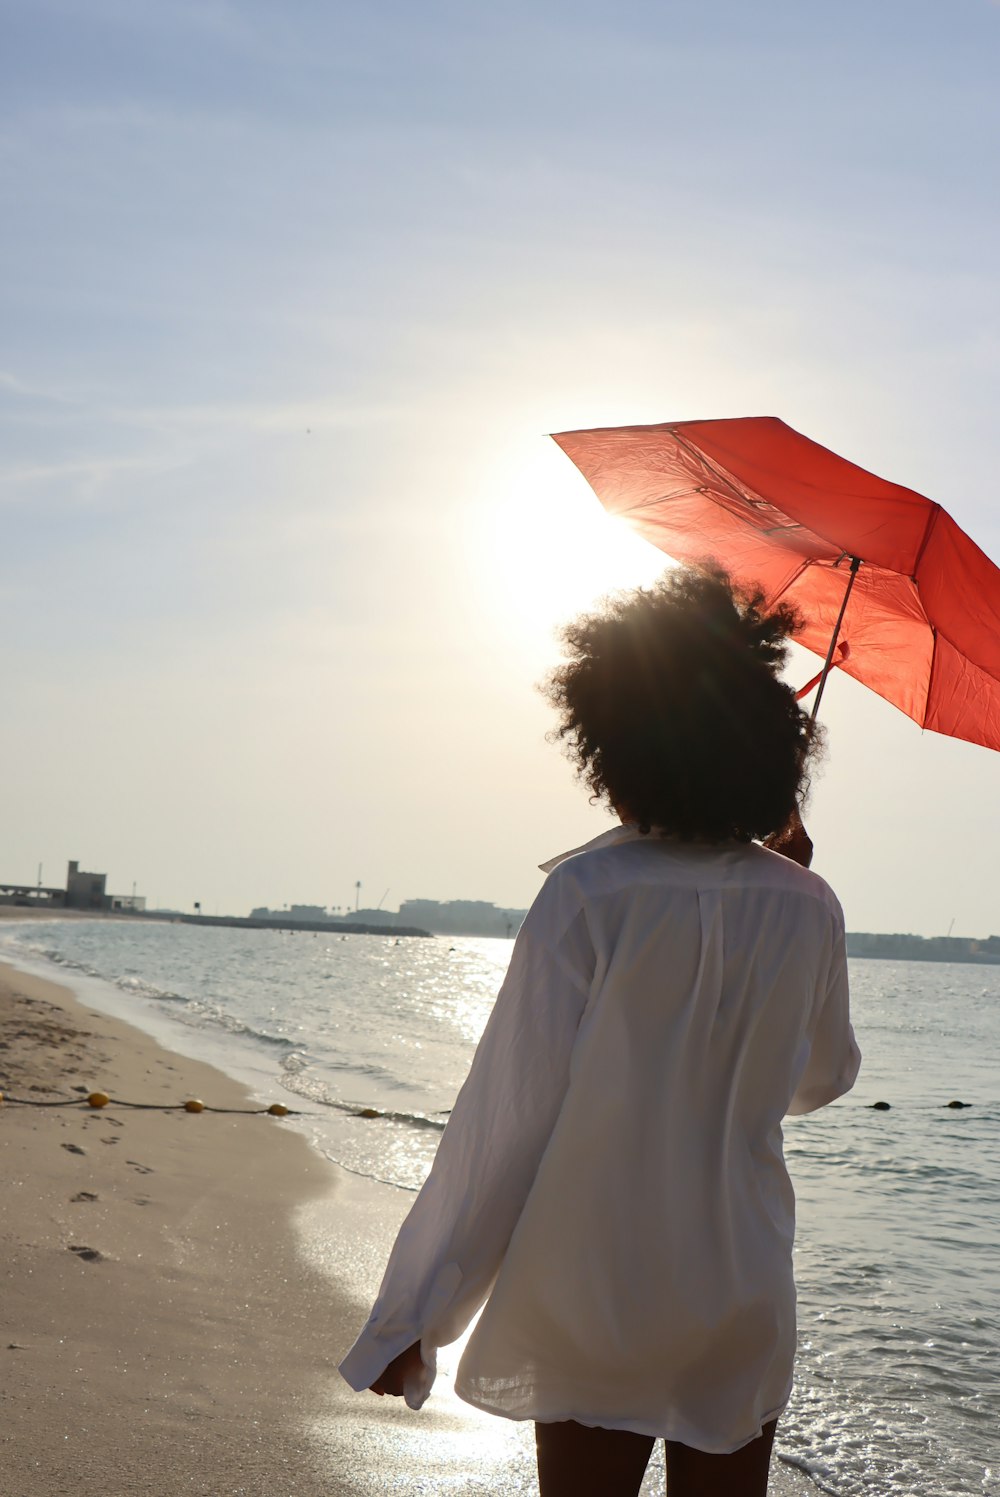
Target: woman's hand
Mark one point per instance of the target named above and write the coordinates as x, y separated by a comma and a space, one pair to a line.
793, 841
394, 1377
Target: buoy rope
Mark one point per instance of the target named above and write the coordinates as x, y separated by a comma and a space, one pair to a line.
30, 1102
97, 1100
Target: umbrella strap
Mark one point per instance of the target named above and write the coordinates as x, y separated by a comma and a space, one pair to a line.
855, 563
842, 652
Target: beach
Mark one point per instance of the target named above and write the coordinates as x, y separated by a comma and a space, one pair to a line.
167, 1327
159, 1331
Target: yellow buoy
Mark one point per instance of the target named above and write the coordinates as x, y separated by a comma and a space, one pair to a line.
98, 1099
278, 1110
193, 1105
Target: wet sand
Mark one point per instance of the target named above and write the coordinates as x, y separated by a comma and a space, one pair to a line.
178, 1289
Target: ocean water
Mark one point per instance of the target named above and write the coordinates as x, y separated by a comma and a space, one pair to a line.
897, 1258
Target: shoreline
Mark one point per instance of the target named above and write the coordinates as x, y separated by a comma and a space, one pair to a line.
180, 1289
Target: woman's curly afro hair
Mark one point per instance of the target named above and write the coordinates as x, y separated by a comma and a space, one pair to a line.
671, 708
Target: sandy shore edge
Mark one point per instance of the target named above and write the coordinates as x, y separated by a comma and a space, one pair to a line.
160, 1331
163, 1330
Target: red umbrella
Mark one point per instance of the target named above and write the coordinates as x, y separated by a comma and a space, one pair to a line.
892, 591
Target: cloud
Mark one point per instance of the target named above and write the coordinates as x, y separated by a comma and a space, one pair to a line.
81, 479
210, 16
27, 391
317, 415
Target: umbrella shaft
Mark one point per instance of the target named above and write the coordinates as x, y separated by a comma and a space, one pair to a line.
855, 563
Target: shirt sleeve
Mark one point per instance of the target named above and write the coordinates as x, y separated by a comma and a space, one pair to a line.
833, 1058
451, 1244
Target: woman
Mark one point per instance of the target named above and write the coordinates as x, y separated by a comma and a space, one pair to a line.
611, 1181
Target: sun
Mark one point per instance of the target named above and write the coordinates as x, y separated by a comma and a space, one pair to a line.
544, 549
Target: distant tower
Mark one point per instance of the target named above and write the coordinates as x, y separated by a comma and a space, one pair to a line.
357, 895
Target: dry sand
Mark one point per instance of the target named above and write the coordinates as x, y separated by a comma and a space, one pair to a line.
163, 1331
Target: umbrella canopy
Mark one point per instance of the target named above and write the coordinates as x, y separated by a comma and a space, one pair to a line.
922, 623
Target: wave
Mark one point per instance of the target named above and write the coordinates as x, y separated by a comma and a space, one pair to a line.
408, 1119
194, 1012
811, 1469
199, 1015
312, 1088
300, 1059
128, 983
370, 1175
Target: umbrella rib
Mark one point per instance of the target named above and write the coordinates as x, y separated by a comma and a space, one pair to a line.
930, 673
802, 567
751, 496
931, 522
660, 499
739, 490
720, 473
939, 634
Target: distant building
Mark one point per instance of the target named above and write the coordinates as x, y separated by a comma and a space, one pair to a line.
296, 913
86, 891
32, 896
461, 917
127, 904
83, 891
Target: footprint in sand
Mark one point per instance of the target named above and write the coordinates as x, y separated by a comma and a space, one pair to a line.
73, 1148
84, 1195
88, 1254
110, 1140
143, 1169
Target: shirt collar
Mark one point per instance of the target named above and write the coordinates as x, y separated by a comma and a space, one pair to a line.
627, 832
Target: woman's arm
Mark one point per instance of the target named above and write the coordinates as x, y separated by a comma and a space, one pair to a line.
450, 1246
834, 1058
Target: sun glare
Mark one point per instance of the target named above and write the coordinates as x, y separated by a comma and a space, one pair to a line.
545, 549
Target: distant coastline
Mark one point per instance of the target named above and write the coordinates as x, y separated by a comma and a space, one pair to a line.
455, 917
27, 911
898, 947
906, 948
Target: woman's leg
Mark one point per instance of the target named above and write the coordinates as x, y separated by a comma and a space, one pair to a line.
693, 1473
576, 1461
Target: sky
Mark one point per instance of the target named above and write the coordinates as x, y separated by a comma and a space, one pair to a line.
291, 296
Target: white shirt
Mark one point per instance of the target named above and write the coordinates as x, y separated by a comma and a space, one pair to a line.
612, 1175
